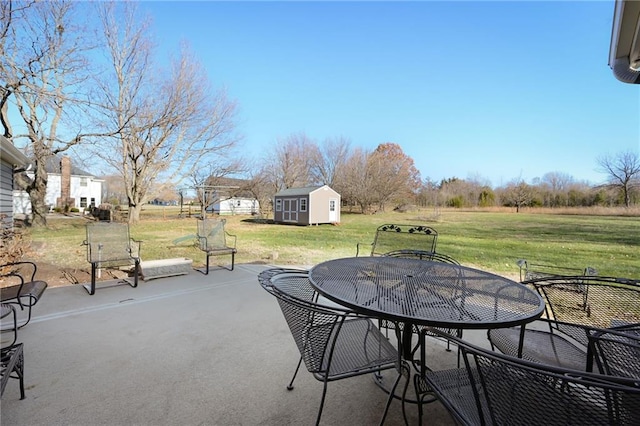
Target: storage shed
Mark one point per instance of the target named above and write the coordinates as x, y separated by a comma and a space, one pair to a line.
307, 206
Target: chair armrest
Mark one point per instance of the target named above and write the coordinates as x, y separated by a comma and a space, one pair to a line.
136, 246
233, 237
21, 263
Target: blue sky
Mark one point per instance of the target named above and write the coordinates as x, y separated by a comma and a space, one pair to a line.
486, 90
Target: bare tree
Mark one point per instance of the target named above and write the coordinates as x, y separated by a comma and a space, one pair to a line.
330, 162
518, 193
623, 170
292, 162
171, 124
359, 182
43, 68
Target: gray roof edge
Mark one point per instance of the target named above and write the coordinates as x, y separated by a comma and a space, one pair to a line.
11, 154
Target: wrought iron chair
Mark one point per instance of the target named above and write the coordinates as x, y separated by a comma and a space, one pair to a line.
496, 389
529, 270
575, 305
9, 311
27, 292
12, 366
109, 245
391, 237
334, 343
617, 352
214, 240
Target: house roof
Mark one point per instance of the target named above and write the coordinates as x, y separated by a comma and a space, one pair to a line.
53, 166
299, 191
11, 154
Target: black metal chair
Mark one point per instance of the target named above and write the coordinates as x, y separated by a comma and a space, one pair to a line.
496, 389
391, 237
27, 292
617, 352
334, 343
214, 240
530, 270
575, 305
7, 312
12, 366
109, 245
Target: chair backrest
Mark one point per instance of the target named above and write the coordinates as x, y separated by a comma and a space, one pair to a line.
601, 302
392, 237
422, 255
530, 271
314, 327
211, 234
617, 352
512, 391
109, 243
518, 392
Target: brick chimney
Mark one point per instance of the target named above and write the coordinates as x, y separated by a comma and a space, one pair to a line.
65, 202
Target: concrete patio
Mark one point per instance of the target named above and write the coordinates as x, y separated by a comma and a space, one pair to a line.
185, 350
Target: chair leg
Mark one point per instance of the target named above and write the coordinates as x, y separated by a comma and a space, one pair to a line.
206, 271
324, 394
19, 369
290, 385
233, 257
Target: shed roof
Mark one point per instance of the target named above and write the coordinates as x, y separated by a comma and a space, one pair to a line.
298, 191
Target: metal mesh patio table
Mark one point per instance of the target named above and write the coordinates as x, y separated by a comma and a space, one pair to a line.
415, 292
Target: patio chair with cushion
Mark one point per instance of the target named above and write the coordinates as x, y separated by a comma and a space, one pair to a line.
496, 389
214, 240
334, 343
575, 305
391, 237
109, 245
25, 291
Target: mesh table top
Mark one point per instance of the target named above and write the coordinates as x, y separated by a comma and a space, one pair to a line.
426, 293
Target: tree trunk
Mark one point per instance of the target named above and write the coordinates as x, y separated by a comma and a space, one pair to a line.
134, 213
37, 191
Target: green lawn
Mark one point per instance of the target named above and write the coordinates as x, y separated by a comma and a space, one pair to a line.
489, 240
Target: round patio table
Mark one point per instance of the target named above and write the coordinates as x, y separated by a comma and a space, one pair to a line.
425, 293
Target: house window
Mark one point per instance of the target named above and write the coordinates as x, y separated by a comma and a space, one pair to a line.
238, 203
83, 181
83, 202
303, 204
279, 205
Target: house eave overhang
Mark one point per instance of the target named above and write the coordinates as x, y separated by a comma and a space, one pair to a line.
11, 154
624, 52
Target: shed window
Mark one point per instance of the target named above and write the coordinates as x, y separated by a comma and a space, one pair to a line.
238, 203
303, 204
278, 205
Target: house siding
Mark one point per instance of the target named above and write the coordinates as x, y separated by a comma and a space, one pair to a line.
93, 189
6, 195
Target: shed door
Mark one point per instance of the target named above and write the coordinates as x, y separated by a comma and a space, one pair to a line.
333, 214
290, 210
